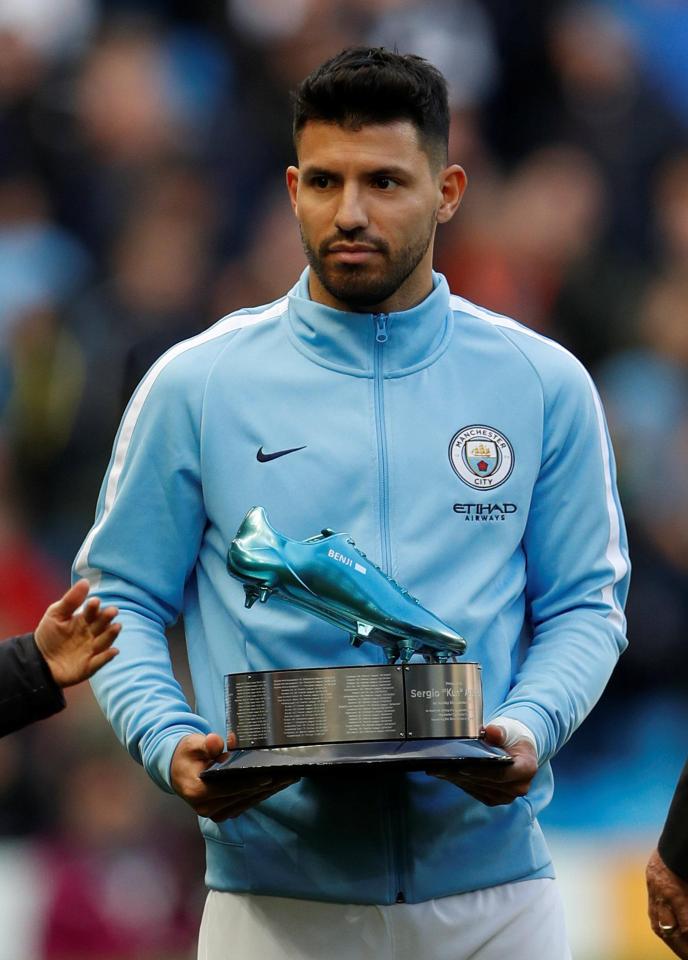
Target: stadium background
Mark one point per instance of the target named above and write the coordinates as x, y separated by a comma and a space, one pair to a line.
141, 155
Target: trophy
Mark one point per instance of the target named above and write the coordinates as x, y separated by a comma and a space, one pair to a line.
411, 715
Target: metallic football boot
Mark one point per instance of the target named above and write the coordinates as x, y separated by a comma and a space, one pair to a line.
328, 576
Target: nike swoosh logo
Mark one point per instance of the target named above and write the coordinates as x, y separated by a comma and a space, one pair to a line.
265, 457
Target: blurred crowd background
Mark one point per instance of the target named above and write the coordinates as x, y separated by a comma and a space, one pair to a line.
142, 149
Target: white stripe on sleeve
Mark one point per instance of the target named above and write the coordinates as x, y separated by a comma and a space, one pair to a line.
613, 553
232, 322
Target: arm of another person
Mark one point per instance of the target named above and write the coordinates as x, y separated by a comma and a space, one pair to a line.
667, 875
68, 646
577, 580
139, 555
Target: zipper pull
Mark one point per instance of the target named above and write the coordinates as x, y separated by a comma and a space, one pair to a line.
381, 334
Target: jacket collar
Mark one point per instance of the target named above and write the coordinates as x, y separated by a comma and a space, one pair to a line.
347, 341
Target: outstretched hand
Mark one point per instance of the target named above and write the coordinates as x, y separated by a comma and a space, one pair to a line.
494, 784
77, 642
229, 798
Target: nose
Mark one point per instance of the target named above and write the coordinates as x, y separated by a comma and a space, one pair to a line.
351, 214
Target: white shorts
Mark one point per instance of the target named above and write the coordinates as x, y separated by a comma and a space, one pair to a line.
518, 921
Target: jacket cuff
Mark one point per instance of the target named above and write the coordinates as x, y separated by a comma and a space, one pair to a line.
158, 760
514, 730
535, 722
32, 693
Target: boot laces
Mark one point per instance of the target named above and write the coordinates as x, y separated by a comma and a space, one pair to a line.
395, 583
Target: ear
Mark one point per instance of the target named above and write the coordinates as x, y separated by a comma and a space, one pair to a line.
452, 184
293, 186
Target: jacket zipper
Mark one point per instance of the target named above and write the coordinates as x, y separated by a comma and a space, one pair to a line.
381, 338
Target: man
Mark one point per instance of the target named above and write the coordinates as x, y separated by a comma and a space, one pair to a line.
69, 645
667, 875
467, 455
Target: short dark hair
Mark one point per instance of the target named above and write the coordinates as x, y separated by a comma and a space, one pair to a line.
368, 85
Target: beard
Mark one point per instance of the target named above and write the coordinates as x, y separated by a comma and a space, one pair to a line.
360, 285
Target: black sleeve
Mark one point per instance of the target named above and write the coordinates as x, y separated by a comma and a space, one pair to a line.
673, 844
27, 689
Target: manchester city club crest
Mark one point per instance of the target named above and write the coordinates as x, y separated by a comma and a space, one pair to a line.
481, 456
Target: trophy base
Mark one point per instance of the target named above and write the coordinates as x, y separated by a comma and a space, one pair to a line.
382, 756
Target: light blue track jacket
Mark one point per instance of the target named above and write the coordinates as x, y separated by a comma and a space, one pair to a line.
464, 453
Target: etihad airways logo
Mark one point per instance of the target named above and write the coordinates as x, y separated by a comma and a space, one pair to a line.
485, 512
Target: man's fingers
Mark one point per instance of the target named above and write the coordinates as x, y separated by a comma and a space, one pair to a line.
232, 810
679, 944
105, 639
91, 611
494, 734
239, 787
70, 602
486, 794
664, 916
667, 901
480, 773
491, 798
233, 806
491, 794
496, 775
244, 797
100, 659
214, 744
199, 748
667, 930
259, 798
103, 621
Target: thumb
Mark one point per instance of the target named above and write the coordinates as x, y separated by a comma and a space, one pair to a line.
200, 746
214, 745
495, 735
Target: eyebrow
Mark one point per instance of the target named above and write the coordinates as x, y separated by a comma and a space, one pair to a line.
386, 171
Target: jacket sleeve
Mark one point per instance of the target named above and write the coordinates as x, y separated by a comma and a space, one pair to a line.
577, 565
673, 843
27, 689
139, 555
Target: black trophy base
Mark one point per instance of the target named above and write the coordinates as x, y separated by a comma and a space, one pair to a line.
382, 756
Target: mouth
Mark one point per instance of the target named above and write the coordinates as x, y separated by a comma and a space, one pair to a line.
352, 252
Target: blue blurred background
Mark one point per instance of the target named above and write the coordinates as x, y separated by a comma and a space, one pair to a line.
142, 148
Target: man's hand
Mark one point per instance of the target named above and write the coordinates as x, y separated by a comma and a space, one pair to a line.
493, 784
75, 645
232, 797
667, 905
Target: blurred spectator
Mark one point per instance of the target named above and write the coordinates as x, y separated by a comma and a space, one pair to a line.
29, 582
647, 401
244, 280
661, 31
70, 374
606, 106
40, 263
53, 28
455, 35
671, 214
515, 252
646, 395
117, 887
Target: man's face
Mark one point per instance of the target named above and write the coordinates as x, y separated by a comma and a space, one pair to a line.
367, 202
